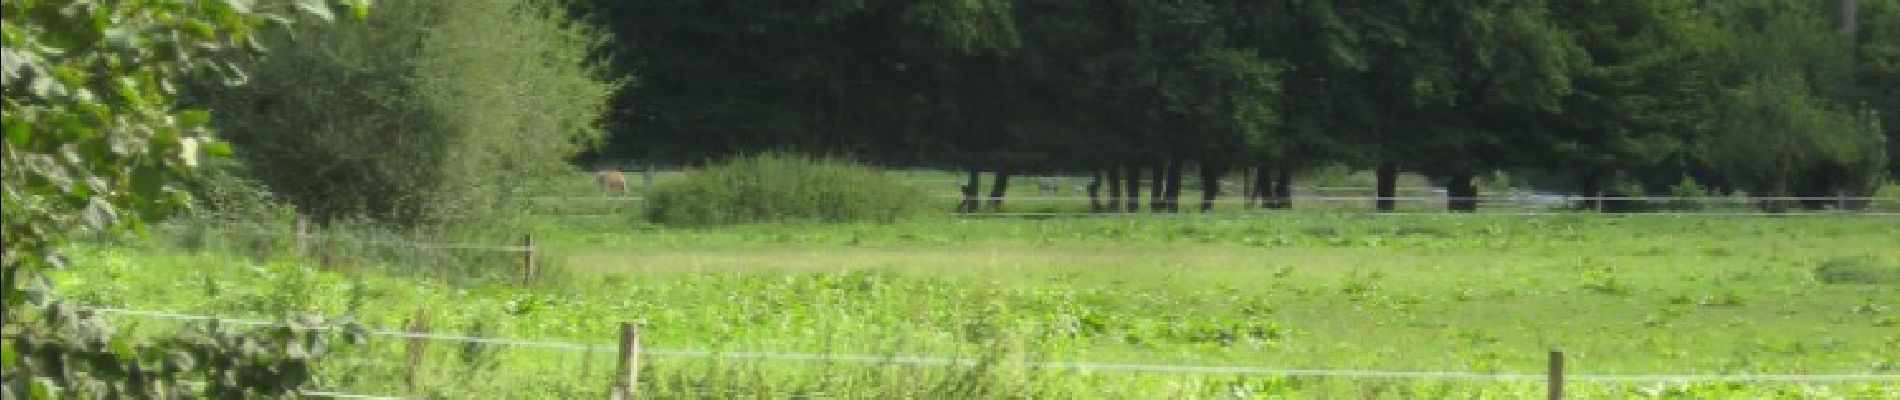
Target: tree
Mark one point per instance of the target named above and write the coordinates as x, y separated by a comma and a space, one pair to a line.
95, 142
423, 115
1785, 122
1875, 35
891, 81
1774, 135
1640, 92
1455, 86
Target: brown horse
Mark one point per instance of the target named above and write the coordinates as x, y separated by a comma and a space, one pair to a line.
611, 181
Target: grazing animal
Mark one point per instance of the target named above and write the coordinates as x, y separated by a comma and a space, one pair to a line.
612, 181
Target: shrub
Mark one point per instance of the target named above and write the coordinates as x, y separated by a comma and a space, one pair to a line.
781, 187
1887, 198
424, 114
1688, 194
1625, 188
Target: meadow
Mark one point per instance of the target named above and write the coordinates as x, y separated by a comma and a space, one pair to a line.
1620, 295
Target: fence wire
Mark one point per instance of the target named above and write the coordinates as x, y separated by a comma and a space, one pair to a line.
1506, 199
1072, 366
261, 230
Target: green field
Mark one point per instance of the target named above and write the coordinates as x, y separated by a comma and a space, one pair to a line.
1468, 293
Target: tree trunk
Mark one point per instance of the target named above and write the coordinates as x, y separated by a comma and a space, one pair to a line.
1388, 185
1262, 186
1114, 188
1210, 186
646, 175
1159, 188
1172, 195
1283, 189
1850, 22
1095, 192
1134, 188
1463, 194
971, 187
1000, 188
1593, 187
1246, 187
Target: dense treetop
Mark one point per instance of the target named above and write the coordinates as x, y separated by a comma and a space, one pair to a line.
1772, 97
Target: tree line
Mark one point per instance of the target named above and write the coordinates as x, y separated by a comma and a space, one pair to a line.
1770, 97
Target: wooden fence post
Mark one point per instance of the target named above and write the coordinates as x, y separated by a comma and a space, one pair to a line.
527, 258
303, 236
1840, 201
1556, 379
418, 347
587, 361
629, 377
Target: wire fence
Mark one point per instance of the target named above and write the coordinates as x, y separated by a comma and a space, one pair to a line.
910, 360
1526, 206
1077, 366
900, 360
1494, 199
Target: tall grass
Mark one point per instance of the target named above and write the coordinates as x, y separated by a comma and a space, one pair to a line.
775, 187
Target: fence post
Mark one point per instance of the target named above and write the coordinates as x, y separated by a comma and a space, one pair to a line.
527, 258
629, 377
587, 362
1840, 201
1600, 201
303, 236
1556, 379
301, 239
418, 347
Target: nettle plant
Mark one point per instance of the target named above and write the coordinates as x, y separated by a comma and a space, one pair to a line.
94, 142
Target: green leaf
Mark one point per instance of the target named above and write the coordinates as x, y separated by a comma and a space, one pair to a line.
18, 133
44, 388
194, 118
216, 148
73, 129
360, 8
9, 359
123, 347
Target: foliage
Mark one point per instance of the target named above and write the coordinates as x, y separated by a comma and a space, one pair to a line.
776, 187
1688, 194
1625, 188
1586, 92
93, 137
67, 351
1887, 199
427, 114
1877, 70
94, 142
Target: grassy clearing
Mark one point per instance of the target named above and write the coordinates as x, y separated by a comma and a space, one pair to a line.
1622, 295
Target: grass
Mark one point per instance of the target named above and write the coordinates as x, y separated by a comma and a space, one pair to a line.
1621, 295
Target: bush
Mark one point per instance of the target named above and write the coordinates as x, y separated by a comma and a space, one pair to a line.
1887, 198
781, 187
1689, 195
1625, 188
427, 113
